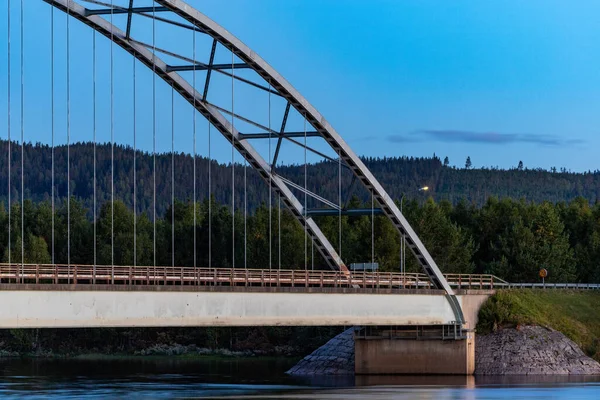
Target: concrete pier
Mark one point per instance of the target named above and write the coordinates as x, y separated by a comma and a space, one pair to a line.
398, 354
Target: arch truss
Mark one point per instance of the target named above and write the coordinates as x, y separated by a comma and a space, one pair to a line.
178, 13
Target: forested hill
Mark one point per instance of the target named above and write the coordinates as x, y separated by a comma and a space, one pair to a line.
397, 175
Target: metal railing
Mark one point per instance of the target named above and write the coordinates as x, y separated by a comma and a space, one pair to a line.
576, 286
78, 274
166, 275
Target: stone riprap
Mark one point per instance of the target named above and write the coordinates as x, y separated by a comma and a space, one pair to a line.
531, 350
336, 357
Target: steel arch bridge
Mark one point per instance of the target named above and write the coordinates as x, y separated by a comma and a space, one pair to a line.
173, 11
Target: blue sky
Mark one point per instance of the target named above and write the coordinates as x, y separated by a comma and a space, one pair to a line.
497, 81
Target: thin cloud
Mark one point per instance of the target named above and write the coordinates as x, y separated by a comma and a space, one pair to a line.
495, 138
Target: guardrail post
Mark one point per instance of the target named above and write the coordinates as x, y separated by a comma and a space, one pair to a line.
335, 279
37, 273
278, 283
305, 278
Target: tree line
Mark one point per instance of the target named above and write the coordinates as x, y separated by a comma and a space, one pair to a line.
509, 238
398, 175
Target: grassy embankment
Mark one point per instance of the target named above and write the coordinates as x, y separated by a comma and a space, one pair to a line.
574, 313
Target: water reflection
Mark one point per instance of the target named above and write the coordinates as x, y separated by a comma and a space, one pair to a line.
259, 379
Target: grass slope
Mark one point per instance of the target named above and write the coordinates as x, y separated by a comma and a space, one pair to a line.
574, 313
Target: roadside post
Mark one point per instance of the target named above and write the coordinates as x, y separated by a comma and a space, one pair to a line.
543, 275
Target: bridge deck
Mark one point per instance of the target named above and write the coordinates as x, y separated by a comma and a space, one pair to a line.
186, 276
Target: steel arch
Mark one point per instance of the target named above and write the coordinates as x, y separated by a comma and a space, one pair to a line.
284, 89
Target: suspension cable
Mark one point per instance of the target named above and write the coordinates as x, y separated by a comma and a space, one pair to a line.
305, 201
172, 177
372, 227
68, 147
232, 167
52, 117
245, 217
279, 220
94, 129
194, 146
134, 168
112, 152
340, 202
312, 255
22, 147
209, 202
270, 187
154, 131
8, 77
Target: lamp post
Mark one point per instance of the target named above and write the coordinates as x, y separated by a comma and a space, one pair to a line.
403, 242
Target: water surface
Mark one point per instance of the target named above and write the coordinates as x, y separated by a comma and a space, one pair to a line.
170, 378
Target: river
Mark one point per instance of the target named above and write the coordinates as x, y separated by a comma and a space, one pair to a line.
166, 378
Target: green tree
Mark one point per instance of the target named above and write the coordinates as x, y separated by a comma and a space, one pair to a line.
451, 246
537, 240
36, 250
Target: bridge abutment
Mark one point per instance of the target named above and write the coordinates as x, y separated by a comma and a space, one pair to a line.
415, 350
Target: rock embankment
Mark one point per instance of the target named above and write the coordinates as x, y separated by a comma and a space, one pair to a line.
531, 350
526, 350
336, 357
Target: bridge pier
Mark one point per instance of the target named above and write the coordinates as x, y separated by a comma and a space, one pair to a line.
414, 350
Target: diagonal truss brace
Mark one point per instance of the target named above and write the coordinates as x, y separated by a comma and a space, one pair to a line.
216, 118
311, 194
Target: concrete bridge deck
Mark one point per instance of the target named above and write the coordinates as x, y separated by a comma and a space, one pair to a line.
56, 306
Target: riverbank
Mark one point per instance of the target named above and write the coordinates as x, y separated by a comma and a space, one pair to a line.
174, 351
576, 314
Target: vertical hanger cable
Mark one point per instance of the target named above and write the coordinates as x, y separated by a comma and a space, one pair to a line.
94, 133
270, 187
154, 133
194, 139
68, 147
134, 167
8, 84
232, 166
112, 151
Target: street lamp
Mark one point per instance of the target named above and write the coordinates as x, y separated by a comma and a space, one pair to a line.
403, 242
